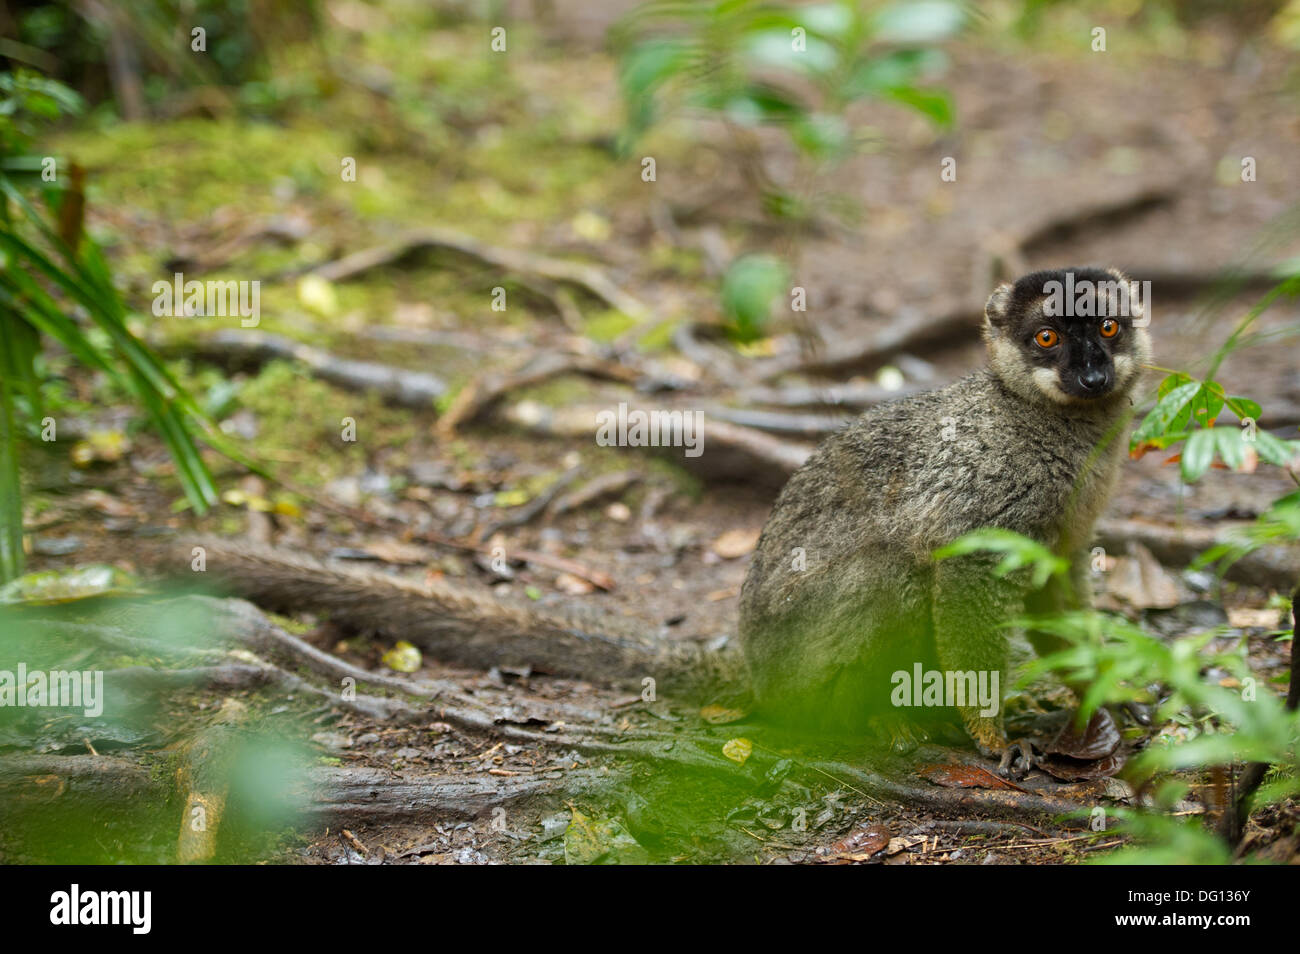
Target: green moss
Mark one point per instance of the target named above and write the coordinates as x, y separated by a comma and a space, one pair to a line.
557, 392
499, 147
682, 480
189, 168
305, 417
290, 625
659, 337
606, 326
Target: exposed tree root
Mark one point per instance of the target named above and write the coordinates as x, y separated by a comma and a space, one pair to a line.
957, 326
589, 278
733, 451
115, 638
140, 683
1272, 566
374, 796
204, 778
956, 801
457, 624
242, 623
526, 513
249, 346
331, 795
857, 397
812, 426
35, 781
596, 489
484, 391
1063, 227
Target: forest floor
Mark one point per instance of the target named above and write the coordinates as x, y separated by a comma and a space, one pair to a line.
516, 159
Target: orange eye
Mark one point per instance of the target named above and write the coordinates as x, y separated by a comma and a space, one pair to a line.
1047, 338
1109, 328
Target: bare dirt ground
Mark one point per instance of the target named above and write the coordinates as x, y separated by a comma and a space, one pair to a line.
1037, 138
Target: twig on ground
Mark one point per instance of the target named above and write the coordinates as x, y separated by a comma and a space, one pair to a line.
519, 516
589, 278
413, 389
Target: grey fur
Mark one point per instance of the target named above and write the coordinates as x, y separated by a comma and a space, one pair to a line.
999, 448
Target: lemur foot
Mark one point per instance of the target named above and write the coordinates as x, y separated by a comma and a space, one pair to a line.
903, 736
1017, 759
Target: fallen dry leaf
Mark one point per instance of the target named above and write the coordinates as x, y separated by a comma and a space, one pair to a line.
1065, 769
1139, 580
573, 585
403, 658
735, 543
1242, 617
860, 845
903, 842
721, 715
395, 551
1099, 738
106, 504
957, 775
738, 750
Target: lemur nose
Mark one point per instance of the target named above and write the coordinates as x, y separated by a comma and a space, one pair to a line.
1094, 379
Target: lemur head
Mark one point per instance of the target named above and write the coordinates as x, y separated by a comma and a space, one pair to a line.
1068, 336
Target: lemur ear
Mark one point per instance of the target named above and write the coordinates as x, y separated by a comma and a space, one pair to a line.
1130, 302
998, 307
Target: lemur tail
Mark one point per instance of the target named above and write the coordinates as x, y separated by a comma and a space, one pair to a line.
455, 623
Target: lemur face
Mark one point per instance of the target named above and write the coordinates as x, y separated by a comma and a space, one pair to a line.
1068, 335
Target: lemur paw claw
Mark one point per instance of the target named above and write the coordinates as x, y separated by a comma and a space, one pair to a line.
1017, 759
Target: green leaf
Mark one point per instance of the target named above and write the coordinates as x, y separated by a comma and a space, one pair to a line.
833, 20
1161, 418
53, 587
1018, 551
11, 500
1244, 408
759, 104
919, 21
1231, 444
821, 135
109, 346
749, 290
932, 103
1198, 454
892, 71
1274, 449
1175, 380
644, 69
774, 49
1204, 406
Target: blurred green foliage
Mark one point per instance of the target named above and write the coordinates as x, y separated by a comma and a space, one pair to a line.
796, 67
56, 284
1119, 661
750, 288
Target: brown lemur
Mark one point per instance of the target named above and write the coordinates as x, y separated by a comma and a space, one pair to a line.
844, 590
